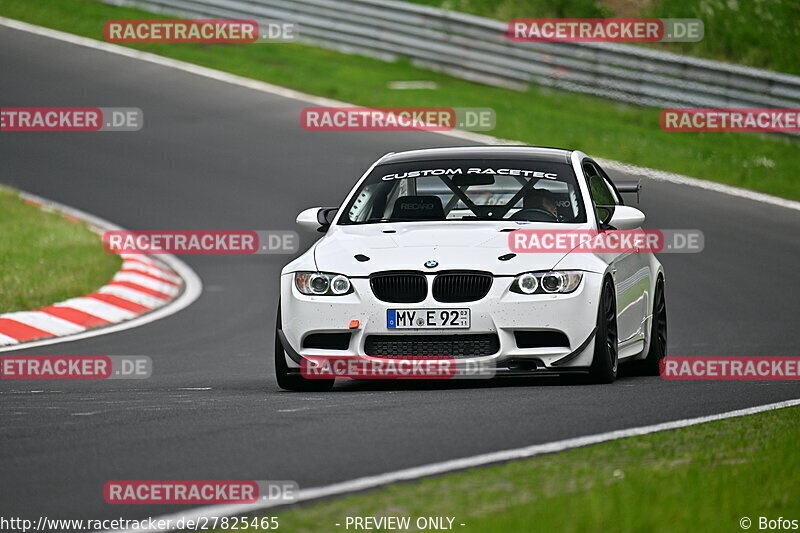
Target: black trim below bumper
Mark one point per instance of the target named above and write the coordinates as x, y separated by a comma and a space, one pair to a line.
516, 373
570, 356
293, 355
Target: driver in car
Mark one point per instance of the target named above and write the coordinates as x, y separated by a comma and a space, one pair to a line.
541, 200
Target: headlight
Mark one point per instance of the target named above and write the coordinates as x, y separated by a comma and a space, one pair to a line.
340, 285
547, 282
527, 283
322, 284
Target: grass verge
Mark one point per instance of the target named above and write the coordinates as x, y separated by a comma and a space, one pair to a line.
769, 164
46, 258
701, 478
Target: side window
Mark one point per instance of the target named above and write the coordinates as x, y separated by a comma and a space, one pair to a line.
601, 190
610, 185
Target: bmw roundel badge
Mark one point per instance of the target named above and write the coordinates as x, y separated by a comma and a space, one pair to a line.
431, 264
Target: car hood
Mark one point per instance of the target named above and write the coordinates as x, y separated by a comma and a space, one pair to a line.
472, 245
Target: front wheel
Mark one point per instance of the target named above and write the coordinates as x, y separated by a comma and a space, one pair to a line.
293, 381
604, 364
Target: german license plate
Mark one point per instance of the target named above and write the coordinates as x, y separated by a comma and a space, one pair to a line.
427, 318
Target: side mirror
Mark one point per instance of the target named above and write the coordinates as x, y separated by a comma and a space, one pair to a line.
619, 217
316, 218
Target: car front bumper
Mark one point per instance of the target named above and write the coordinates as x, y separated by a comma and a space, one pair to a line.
501, 312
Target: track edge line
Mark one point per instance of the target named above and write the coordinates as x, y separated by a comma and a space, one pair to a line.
455, 465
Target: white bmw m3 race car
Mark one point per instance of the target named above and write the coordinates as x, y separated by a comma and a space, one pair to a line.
416, 263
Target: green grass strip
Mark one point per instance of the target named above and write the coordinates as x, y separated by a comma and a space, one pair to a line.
46, 258
701, 478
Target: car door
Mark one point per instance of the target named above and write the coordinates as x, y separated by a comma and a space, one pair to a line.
625, 264
640, 291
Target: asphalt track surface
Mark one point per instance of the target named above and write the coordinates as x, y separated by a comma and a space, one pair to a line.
218, 156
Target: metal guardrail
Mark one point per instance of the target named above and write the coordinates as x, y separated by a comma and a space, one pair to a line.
476, 49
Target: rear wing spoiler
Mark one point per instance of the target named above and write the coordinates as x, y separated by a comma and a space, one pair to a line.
629, 186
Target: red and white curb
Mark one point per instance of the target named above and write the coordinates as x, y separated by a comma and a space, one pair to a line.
146, 288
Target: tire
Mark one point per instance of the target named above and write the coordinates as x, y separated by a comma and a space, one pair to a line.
293, 381
606, 354
658, 333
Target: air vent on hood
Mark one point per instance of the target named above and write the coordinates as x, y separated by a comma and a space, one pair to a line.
361, 257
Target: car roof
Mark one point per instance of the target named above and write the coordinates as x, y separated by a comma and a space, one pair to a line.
531, 153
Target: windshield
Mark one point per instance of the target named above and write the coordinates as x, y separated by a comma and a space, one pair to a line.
475, 189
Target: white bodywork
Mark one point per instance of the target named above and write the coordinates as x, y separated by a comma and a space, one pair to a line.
472, 245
